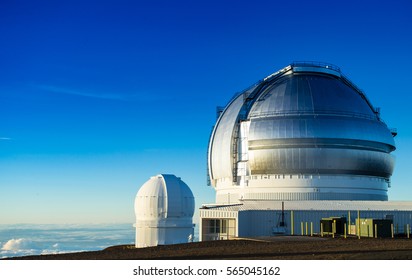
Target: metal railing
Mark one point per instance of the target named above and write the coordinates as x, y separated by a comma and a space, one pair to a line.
311, 112
315, 64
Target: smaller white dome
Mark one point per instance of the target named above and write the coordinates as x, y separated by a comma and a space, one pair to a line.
164, 196
164, 207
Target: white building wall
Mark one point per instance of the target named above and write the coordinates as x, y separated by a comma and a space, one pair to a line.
257, 223
400, 218
293, 187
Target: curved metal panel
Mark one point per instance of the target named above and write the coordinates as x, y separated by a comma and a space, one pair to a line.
221, 149
320, 127
314, 94
318, 143
180, 199
320, 161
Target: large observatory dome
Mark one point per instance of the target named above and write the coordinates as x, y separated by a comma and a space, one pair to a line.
303, 133
164, 208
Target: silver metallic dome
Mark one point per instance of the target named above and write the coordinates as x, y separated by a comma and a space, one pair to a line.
303, 133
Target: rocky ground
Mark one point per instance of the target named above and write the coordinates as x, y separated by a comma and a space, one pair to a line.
285, 247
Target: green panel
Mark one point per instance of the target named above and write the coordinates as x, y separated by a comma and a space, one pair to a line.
366, 227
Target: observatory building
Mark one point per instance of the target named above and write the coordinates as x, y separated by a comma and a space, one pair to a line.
303, 139
303, 133
164, 208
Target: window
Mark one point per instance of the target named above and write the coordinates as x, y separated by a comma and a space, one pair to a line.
224, 226
214, 226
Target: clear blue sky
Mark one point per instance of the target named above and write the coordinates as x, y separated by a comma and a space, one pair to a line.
97, 96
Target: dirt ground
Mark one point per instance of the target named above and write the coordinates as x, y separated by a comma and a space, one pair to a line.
281, 248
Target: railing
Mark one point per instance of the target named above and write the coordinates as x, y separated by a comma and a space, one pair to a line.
311, 112
315, 64
278, 73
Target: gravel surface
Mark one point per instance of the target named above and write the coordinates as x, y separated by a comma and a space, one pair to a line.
282, 247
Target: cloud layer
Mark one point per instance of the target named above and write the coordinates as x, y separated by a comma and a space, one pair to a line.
120, 96
18, 244
23, 240
99, 95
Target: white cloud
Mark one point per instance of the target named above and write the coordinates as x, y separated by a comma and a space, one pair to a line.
17, 244
136, 96
99, 95
65, 238
5, 138
24, 247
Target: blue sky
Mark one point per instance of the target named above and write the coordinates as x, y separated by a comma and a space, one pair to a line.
97, 96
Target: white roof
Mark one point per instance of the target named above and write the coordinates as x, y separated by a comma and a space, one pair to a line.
315, 205
164, 196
